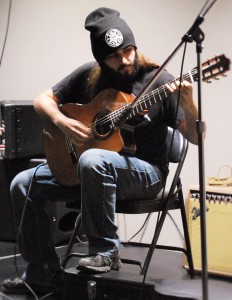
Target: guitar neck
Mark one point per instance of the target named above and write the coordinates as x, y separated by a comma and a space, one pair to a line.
211, 69
157, 95
151, 98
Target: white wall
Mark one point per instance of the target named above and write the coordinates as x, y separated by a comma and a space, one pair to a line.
47, 40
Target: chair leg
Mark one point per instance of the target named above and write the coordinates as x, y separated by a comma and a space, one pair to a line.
158, 230
154, 242
74, 234
186, 235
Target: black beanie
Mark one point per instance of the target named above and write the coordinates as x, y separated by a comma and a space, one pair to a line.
108, 32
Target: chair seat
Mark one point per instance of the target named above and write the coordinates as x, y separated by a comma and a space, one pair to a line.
147, 205
139, 206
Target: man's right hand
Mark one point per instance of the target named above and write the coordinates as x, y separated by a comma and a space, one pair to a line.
46, 105
75, 130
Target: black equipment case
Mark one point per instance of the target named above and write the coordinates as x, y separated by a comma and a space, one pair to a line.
115, 285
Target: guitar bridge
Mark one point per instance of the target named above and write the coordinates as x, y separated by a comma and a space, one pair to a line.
71, 150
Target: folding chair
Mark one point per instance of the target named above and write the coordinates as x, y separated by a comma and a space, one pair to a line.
171, 199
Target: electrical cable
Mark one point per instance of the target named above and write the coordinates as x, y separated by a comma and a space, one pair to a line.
144, 223
6, 34
19, 231
176, 226
4, 296
178, 100
18, 236
81, 242
14, 223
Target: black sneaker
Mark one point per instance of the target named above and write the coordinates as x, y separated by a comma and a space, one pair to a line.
99, 263
18, 286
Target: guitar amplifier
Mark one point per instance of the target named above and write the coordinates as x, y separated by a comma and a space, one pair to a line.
218, 228
23, 135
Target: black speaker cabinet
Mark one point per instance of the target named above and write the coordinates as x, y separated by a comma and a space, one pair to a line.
8, 170
21, 141
23, 136
62, 221
62, 218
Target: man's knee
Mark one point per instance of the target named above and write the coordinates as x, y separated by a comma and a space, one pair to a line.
91, 158
20, 184
94, 160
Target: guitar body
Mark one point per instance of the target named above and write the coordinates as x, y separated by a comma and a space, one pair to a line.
60, 161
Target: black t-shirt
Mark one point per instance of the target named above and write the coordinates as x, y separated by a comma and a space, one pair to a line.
150, 133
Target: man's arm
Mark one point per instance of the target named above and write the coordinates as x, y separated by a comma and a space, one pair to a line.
187, 127
46, 105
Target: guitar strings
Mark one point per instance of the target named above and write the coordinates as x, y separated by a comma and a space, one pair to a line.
156, 95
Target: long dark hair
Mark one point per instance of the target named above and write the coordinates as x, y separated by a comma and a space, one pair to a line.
145, 65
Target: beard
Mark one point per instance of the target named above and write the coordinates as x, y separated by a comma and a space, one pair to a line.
116, 76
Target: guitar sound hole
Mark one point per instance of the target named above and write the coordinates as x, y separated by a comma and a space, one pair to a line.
102, 126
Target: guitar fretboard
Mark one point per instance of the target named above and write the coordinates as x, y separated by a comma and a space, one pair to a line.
211, 69
150, 99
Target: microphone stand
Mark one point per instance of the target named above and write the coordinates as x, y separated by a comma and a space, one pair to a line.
198, 37
193, 34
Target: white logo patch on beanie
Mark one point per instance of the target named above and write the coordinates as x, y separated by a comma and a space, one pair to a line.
114, 38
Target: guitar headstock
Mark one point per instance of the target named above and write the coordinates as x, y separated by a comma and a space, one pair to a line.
215, 67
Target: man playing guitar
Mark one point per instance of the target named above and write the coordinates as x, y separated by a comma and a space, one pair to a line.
80, 121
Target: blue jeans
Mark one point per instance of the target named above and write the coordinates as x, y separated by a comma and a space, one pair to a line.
105, 176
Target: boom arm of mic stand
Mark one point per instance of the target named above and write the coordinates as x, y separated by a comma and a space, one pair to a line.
129, 108
188, 37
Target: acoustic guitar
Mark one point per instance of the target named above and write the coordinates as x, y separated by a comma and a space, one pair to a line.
110, 116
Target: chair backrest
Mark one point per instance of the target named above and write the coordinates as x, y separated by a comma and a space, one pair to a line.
177, 149
176, 145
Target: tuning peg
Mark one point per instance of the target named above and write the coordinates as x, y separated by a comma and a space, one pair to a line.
216, 78
208, 81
